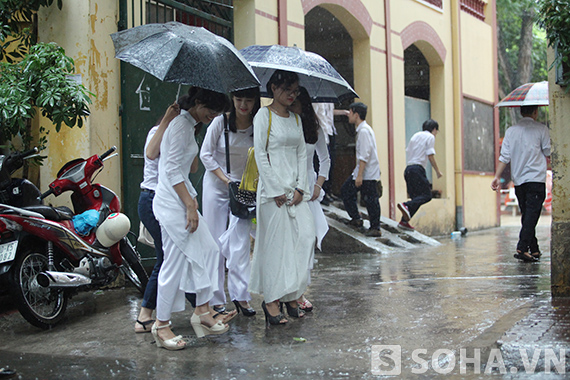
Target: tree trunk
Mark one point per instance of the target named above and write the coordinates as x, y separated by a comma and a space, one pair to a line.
525, 48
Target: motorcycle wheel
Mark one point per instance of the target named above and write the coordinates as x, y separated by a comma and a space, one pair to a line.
42, 307
132, 266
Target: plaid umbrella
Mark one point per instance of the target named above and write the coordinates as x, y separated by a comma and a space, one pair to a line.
529, 94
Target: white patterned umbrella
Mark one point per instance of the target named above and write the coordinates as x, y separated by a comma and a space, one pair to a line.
316, 74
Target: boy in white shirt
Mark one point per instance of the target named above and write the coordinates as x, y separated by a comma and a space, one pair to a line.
526, 146
419, 151
366, 174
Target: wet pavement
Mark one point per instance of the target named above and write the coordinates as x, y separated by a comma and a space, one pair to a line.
465, 298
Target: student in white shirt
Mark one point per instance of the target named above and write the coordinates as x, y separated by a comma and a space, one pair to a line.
232, 233
419, 151
366, 174
148, 186
285, 232
315, 144
526, 146
191, 254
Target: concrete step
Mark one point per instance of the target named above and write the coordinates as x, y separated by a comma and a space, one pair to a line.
343, 238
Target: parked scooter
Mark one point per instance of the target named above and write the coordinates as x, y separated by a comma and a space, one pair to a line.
15, 192
53, 252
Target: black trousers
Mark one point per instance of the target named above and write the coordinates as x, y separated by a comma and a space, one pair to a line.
419, 188
530, 196
368, 190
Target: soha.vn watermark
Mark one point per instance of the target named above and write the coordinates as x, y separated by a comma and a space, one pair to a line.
387, 360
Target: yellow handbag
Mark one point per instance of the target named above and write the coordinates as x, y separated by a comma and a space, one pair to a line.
250, 176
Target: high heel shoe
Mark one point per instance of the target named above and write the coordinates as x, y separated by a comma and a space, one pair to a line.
294, 311
170, 344
305, 305
247, 311
202, 330
270, 319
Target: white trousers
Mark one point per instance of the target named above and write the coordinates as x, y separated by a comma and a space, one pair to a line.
176, 277
236, 246
233, 241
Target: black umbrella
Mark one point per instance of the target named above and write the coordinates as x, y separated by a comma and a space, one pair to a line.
316, 74
175, 52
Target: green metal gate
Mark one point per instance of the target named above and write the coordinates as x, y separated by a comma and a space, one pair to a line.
145, 98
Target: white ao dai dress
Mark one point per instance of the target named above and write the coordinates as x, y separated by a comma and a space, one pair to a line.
285, 236
190, 259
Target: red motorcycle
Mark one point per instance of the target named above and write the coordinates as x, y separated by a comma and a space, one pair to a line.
53, 252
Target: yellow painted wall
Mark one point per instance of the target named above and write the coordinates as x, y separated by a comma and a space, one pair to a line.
244, 16
480, 202
371, 85
82, 28
266, 29
560, 153
404, 14
477, 58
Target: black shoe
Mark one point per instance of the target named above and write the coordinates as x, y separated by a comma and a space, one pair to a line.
270, 319
355, 222
248, 312
526, 257
292, 311
219, 309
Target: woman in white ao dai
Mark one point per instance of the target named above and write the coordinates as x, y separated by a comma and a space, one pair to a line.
190, 252
234, 241
285, 236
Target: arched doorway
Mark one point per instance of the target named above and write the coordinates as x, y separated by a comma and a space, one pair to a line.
327, 36
417, 90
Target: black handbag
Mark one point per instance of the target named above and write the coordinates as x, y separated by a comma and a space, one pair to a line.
242, 202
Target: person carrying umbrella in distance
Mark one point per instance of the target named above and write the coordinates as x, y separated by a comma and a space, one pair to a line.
191, 254
526, 146
285, 234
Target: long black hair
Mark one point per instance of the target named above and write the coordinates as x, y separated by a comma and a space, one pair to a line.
308, 117
279, 78
249, 93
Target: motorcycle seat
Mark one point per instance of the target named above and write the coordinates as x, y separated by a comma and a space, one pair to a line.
56, 214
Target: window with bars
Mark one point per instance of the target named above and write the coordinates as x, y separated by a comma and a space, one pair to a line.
435, 3
216, 16
474, 7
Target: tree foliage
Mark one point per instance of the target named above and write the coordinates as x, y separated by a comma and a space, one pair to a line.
554, 17
521, 49
17, 26
40, 81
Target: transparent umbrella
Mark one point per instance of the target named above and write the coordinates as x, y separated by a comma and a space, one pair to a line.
529, 94
316, 74
175, 52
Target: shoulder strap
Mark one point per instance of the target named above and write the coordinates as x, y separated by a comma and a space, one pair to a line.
226, 137
268, 129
